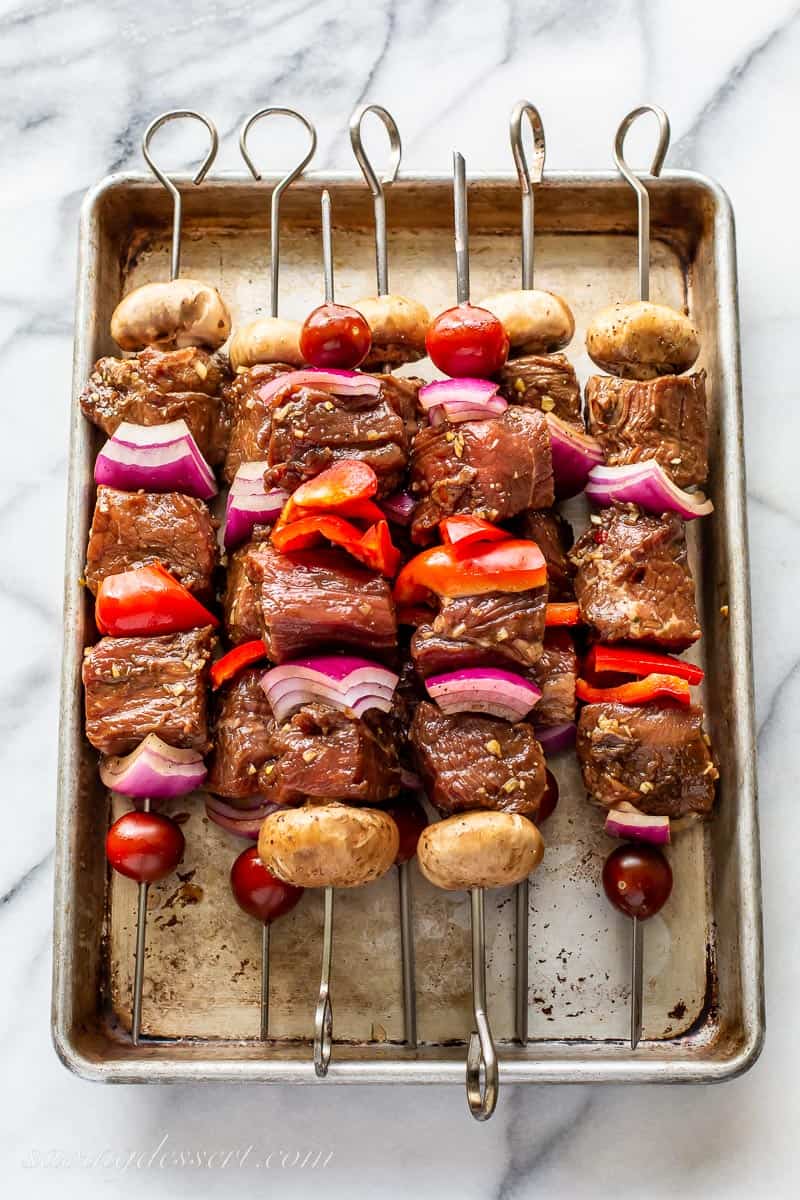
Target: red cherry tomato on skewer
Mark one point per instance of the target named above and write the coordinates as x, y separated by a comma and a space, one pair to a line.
258, 892
637, 880
467, 341
144, 846
410, 818
335, 336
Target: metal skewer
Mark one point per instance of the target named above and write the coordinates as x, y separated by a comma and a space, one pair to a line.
528, 177
138, 969
481, 1051
637, 980
642, 196
278, 190
177, 206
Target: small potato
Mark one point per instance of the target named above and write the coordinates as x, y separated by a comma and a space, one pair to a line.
328, 845
479, 849
171, 315
536, 322
642, 340
398, 326
266, 340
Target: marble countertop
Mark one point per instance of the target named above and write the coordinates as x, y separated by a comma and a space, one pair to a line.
79, 81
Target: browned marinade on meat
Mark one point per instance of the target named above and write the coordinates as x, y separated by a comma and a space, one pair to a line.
242, 735
555, 673
242, 612
137, 686
155, 387
312, 429
468, 762
495, 629
495, 469
663, 418
553, 536
633, 581
656, 757
133, 529
249, 415
320, 599
544, 381
321, 753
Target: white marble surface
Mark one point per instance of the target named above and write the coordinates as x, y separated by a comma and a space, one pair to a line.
78, 82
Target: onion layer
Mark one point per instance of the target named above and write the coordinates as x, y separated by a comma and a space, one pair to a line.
648, 485
243, 822
484, 690
458, 400
155, 458
555, 738
340, 383
342, 681
154, 769
398, 508
625, 821
574, 455
250, 504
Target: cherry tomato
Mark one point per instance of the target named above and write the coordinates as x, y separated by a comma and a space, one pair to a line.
548, 802
467, 340
144, 846
334, 335
410, 818
258, 892
637, 880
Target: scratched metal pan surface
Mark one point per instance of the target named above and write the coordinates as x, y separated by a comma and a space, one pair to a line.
703, 1004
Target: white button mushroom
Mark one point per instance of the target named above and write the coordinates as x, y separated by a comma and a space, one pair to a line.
182, 312
536, 322
398, 326
479, 849
642, 340
328, 845
266, 340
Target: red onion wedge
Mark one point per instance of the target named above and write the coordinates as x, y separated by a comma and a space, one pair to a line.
154, 769
648, 485
340, 680
555, 738
155, 458
625, 821
243, 822
459, 400
340, 383
398, 508
249, 504
574, 455
485, 690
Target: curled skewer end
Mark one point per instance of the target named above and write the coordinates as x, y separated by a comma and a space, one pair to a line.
662, 145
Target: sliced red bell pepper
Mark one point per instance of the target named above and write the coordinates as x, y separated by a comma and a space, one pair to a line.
629, 660
236, 660
641, 691
374, 548
509, 566
563, 613
465, 531
377, 549
349, 481
147, 600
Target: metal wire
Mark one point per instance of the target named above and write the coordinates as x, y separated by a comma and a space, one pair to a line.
482, 1070
376, 185
642, 196
461, 222
327, 246
323, 1017
528, 176
177, 208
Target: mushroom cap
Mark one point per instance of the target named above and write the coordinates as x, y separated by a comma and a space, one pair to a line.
266, 340
328, 845
642, 340
398, 326
479, 849
171, 315
536, 322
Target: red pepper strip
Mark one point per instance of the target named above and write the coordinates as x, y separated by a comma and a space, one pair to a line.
377, 549
465, 531
509, 566
236, 660
641, 691
562, 614
628, 660
353, 510
147, 600
374, 548
346, 481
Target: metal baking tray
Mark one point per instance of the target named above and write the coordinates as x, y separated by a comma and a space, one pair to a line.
703, 1003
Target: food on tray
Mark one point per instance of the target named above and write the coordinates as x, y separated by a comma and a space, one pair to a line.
642, 340
536, 322
171, 315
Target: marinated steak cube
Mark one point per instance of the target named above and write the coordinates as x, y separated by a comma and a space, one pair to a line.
654, 757
494, 469
663, 418
249, 415
468, 761
320, 598
553, 536
154, 387
555, 673
544, 381
323, 754
495, 629
242, 609
242, 736
136, 686
401, 393
132, 529
633, 581
312, 429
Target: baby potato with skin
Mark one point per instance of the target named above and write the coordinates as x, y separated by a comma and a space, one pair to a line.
642, 340
479, 849
536, 322
266, 340
328, 845
171, 316
398, 327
